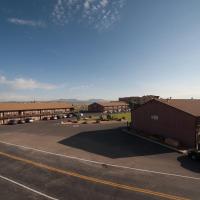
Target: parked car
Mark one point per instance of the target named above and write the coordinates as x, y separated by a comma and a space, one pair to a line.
45, 118
53, 118
29, 120
12, 122
194, 155
70, 115
21, 121
59, 116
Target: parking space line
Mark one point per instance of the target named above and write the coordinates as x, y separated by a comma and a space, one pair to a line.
94, 180
28, 188
102, 163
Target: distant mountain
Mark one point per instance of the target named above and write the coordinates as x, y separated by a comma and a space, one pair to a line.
72, 101
80, 101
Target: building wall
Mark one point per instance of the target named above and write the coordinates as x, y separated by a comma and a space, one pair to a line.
157, 118
95, 107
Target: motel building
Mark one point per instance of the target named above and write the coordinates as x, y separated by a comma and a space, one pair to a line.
178, 119
34, 110
112, 106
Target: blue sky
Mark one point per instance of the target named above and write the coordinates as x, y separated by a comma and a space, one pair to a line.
85, 49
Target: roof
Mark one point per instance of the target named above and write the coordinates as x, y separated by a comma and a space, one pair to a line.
113, 103
33, 106
191, 106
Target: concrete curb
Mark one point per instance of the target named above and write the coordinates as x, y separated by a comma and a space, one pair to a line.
156, 142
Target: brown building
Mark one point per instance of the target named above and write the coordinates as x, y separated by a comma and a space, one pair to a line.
136, 101
36, 110
112, 106
174, 118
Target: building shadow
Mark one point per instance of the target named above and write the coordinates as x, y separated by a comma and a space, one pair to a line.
113, 143
187, 163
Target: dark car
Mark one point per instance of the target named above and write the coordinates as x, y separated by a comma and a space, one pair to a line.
21, 121
12, 122
70, 115
45, 118
59, 116
194, 155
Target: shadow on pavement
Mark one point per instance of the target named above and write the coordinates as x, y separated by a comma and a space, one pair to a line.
113, 143
189, 164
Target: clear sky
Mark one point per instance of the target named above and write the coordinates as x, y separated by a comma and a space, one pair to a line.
52, 49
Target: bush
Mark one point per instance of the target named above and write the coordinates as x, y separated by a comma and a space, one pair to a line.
98, 121
109, 117
85, 122
78, 117
101, 118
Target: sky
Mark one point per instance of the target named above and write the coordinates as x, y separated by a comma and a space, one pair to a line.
52, 49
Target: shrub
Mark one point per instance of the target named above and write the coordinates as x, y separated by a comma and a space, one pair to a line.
78, 117
109, 117
101, 118
98, 121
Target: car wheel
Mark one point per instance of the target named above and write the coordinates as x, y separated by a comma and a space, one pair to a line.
193, 157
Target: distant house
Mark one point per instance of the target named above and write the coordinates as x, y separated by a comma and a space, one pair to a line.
112, 106
178, 119
136, 101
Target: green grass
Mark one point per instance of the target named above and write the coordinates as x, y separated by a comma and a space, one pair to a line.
120, 115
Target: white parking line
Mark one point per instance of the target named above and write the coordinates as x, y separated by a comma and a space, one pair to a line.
102, 163
28, 188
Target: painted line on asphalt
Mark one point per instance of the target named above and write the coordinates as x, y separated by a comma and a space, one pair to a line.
102, 163
27, 188
93, 179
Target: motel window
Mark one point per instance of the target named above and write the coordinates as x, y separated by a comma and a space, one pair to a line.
154, 117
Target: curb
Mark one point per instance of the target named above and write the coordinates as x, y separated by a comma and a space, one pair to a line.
156, 142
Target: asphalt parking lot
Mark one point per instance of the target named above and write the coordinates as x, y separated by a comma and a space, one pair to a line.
90, 162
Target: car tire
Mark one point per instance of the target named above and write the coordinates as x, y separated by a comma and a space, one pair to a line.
193, 157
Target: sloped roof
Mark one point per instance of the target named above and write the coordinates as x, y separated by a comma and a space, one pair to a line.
113, 103
33, 106
191, 106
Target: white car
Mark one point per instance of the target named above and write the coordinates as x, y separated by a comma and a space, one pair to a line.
29, 120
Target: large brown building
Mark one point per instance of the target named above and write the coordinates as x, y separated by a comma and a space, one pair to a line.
112, 106
36, 110
172, 118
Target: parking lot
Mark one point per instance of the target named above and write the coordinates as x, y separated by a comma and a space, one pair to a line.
90, 161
